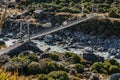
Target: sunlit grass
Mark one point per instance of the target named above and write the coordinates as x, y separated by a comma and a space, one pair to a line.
11, 76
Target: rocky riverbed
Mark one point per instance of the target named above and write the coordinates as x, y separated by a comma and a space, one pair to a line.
78, 42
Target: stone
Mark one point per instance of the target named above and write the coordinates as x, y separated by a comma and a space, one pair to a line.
44, 55
115, 76
73, 72
39, 14
48, 38
3, 59
101, 49
2, 43
86, 74
94, 77
117, 56
48, 24
69, 67
88, 49
112, 51
92, 57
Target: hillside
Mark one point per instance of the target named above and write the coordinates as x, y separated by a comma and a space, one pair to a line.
74, 6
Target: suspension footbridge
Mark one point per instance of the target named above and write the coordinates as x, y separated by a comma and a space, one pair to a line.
43, 33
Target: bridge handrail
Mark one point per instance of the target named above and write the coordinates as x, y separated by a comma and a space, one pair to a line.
63, 26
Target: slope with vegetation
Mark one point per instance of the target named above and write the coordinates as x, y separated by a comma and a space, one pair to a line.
63, 66
74, 6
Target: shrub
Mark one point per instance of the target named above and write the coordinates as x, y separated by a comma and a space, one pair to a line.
98, 67
54, 57
70, 10
75, 78
43, 77
34, 68
79, 68
85, 11
31, 10
4, 59
32, 57
17, 63
112, 62
50, 66
68, 54
113, 14
84, 15
61, 75
114, 69
76, 58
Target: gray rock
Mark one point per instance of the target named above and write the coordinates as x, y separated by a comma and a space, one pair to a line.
48, 38
88, 49
117, 56
86, 74
115, 76
112, 51
2, 43
73, 72
101, 49
92, 57
45, 55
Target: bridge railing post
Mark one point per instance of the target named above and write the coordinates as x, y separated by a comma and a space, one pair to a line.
28, 31
21, 31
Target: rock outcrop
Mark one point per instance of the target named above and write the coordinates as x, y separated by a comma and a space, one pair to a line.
92, 57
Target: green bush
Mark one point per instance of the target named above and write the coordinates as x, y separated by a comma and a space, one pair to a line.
59, 75
68, 54
113, 14
50, 66
76, 58
85, 11
34, 68
32, 57
43, 77
54, 56
17, 63
70, 10
112, 62
79, 68
114, 69
98, 67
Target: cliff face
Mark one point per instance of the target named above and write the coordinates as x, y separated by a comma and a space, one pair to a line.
14, 27
100, 26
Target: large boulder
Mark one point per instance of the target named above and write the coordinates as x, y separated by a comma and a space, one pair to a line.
117, 56
112, 51
92, 57
2, 43
115, 76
